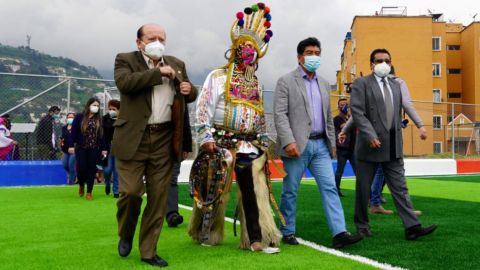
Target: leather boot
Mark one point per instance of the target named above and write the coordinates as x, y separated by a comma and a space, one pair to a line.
81, 191
379, 210
89, 197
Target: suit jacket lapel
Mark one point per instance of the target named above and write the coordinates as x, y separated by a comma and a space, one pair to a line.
303, 90
377, 93
142, 66
325, 101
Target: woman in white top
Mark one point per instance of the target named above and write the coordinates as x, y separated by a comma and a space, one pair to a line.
6, 142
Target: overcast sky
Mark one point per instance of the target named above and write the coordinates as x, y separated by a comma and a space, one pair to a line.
92, 32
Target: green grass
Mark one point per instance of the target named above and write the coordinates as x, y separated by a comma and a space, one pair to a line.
52, 228
453, 205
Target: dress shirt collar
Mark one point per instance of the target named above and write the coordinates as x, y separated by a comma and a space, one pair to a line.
304, 75
150, 61
379, 79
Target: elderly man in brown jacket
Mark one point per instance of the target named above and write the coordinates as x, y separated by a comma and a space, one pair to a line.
148, 135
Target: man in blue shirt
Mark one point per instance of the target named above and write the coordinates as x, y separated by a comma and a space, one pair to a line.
306, 139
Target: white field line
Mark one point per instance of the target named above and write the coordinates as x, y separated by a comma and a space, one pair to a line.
328, 250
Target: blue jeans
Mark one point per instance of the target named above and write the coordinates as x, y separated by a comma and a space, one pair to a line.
68, 163
109, 170
377, 187
342, 157
316, 158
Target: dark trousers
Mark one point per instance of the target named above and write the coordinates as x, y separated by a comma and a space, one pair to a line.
243, 171
396, 182
172, 201
154, 159
342, 157
87, 166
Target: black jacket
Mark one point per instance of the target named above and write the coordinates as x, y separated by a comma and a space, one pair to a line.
45, 131
108, 128
187, 133
65, 138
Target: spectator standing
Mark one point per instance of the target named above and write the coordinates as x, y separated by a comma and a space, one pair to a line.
172, 216
6, 142
68, 160
345, 150
87, 142
110, 170
46, 141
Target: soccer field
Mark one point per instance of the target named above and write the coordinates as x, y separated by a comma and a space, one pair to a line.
52, 228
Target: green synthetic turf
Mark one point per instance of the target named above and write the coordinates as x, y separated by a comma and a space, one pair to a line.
52, 228
453, 205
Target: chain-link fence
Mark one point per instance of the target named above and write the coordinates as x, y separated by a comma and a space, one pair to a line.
26, 99
452, 128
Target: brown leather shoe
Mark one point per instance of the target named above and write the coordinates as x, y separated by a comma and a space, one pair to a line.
379, 210
89, 197
81, 191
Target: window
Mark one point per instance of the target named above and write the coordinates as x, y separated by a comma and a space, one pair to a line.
437, 70
454, 71
437, 147
437, 122
454, 95
437, 95
453, 47
436, 44
353, 71
353, 44
449, 119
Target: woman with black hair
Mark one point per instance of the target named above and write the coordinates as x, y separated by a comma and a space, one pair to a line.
68, 160
87, 141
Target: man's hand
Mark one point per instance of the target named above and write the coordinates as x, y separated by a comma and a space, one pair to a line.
184, 155
168, 72
71, 150
185, 88
423, 133
208, 147
292, 150
104, 153
341, 137
375, 143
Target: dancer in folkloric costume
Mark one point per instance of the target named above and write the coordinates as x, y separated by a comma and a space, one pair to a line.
231, 123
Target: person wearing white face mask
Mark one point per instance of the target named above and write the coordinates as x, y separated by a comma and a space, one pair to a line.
68, 160
306, 139
154, 89
87, 142
376, 110
110, 170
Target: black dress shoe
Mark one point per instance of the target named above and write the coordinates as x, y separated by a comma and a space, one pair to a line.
290, 240
342, 239
156, 261
413, 233
107, 190
125, 246
116, 196
365, 232
175, 221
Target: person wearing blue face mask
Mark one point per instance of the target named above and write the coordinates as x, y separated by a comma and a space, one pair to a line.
306, 139
68, 160
46, 135
345, 150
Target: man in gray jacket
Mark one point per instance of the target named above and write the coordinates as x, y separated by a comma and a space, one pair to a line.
306, 139
376, 109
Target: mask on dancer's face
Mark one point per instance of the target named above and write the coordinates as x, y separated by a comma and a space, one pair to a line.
249, 54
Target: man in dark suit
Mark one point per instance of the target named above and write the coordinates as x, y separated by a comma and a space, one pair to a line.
148, 136
376, 110
46, 141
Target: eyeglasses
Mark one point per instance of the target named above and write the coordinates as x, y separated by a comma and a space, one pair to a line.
379, 61
310, 53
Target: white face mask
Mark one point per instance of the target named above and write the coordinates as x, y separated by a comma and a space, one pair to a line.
94, 109
154, 50
112, 113
382, 70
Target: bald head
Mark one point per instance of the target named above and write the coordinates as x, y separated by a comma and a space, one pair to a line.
147, 27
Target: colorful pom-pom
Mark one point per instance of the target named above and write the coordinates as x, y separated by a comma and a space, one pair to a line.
248, 11
268, 17
240, 15
254, 8
267, 10
241, 22
266, 39
269, 33
261, 5
267, 24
